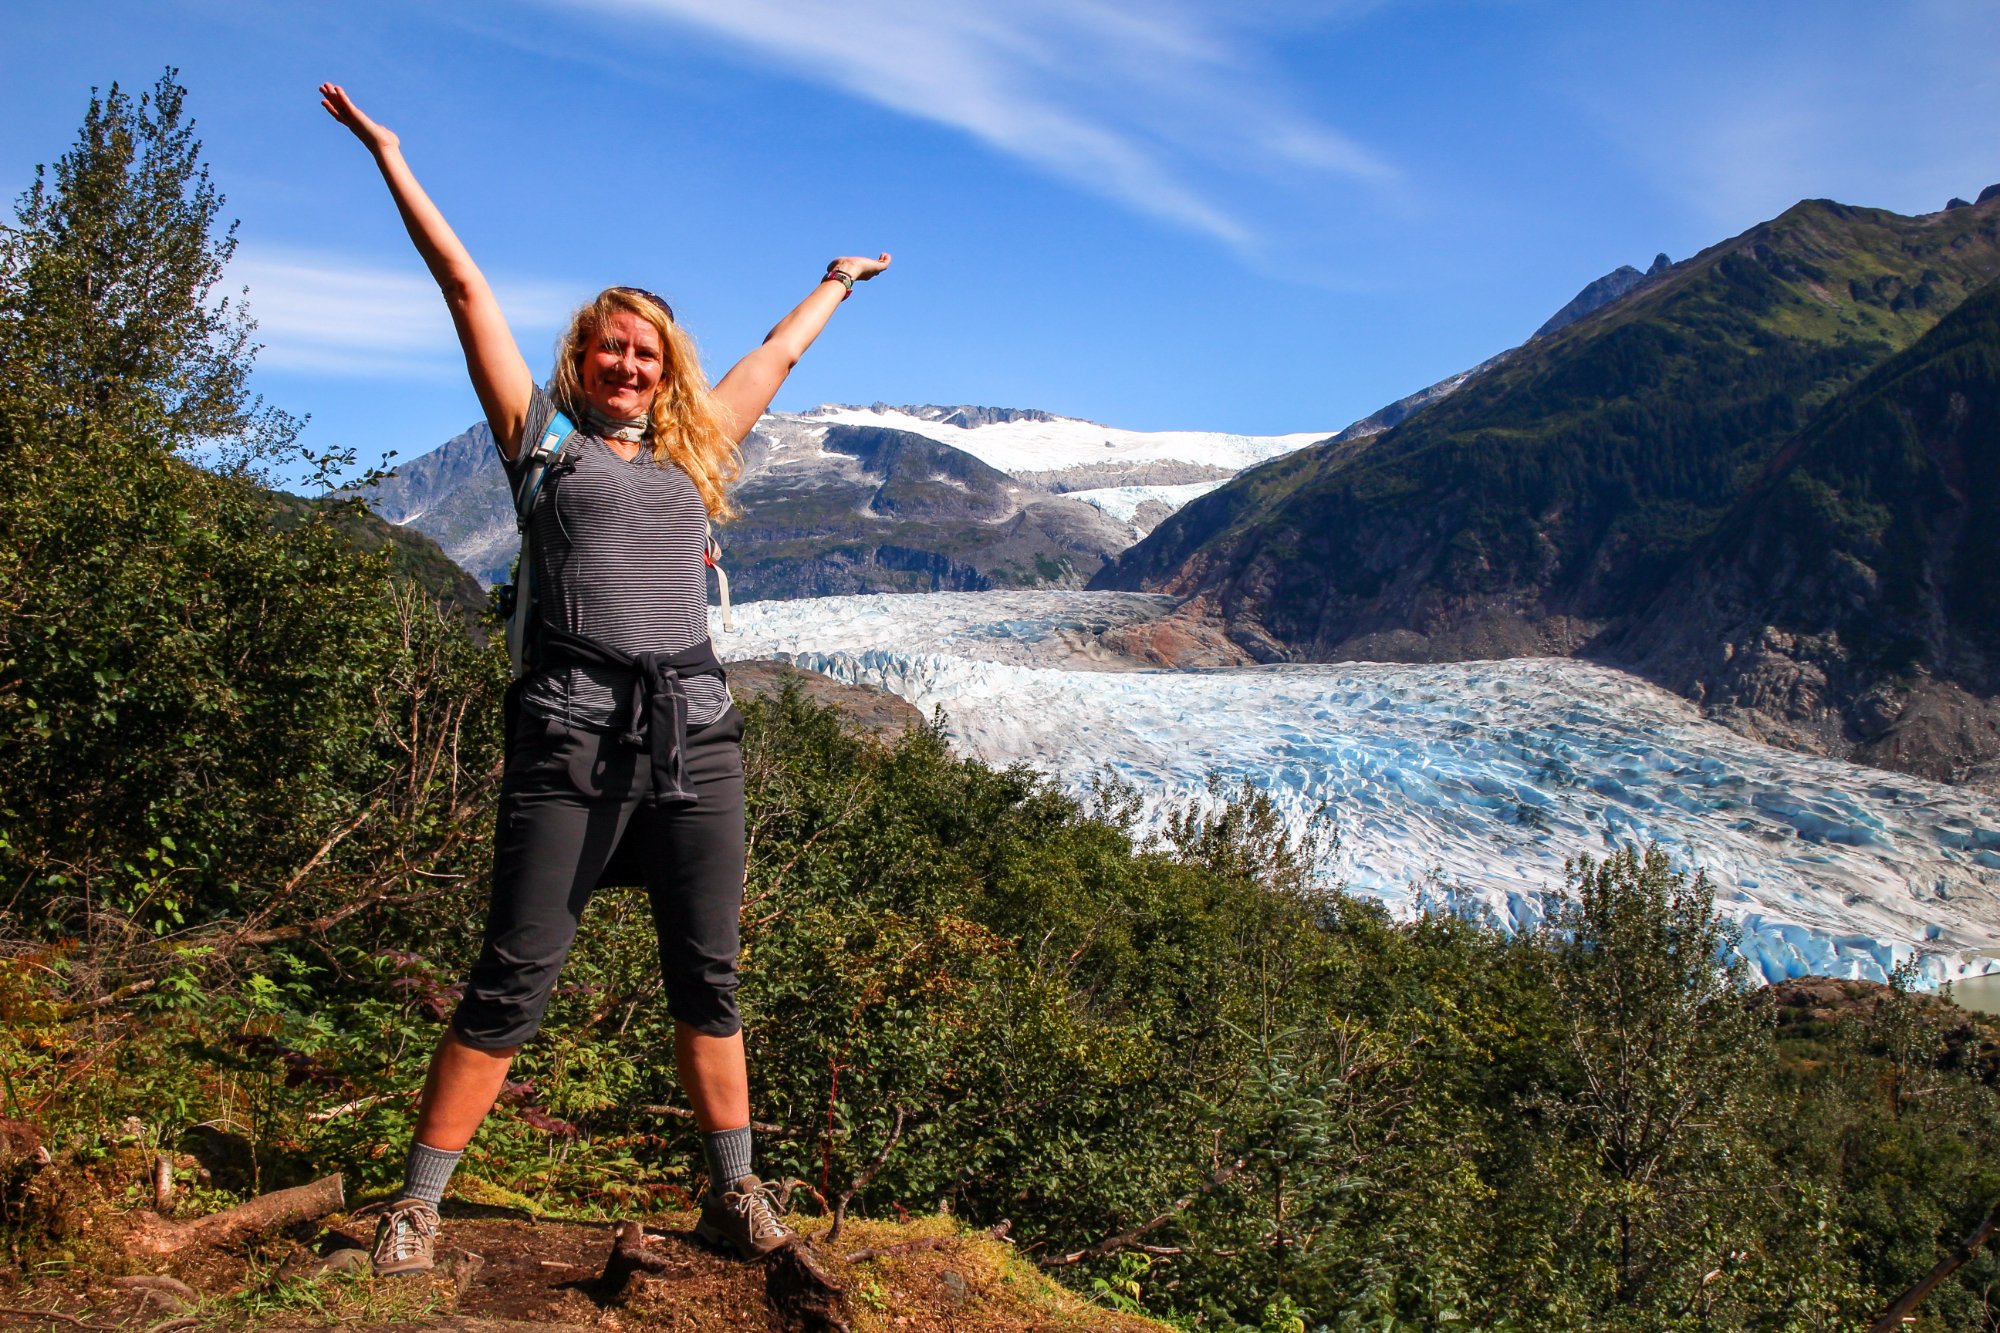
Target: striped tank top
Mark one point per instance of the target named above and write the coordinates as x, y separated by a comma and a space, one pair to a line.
618, 557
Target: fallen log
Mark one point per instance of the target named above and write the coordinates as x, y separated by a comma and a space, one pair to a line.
153, 1234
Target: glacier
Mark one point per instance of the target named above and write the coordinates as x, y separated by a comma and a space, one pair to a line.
1465, 786
1054, 443
1124, 502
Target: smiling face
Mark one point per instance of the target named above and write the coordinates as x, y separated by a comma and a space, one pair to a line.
621, 367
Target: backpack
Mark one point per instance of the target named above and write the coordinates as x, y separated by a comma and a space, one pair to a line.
516, 600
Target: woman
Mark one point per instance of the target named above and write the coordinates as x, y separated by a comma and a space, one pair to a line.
622, 739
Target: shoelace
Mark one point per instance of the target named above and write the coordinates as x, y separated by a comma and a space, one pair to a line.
408, 1232
758, 1209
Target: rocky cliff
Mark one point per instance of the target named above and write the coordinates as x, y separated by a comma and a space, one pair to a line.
1850, 602
842, 509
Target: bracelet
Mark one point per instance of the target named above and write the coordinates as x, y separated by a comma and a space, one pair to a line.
840, 276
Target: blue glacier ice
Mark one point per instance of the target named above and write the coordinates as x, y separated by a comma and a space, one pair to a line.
1465, 785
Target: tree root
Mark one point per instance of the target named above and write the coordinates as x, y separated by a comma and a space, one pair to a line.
800, 1293
632, 1257
801, 1296
152, 1234
165, 1285
58, 1314
174, 1324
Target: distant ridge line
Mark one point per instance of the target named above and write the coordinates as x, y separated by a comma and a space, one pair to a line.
964, 415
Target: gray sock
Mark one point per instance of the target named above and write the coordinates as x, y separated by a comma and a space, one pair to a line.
428, 1173
728, 1153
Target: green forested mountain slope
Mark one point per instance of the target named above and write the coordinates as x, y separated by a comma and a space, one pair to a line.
412, 554
1555, 494
1851, 600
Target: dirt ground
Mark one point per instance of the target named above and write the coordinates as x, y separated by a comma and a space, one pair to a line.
503, 1273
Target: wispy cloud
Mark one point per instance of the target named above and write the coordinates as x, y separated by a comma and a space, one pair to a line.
1167, 106
331, 314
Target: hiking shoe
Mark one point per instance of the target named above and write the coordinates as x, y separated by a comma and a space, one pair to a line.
405, 1238
745, 1219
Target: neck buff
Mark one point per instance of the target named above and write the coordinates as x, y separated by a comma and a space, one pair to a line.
633, 429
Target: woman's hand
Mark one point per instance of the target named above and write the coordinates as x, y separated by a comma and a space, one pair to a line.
747, 390
499, 374
858, 268
377, 139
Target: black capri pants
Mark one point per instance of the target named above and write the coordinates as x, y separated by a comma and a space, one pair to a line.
576, 815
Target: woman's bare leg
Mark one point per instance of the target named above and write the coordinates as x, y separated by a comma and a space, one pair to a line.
460, 1089
713, 1072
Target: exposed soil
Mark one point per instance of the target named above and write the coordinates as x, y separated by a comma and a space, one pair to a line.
507, 1274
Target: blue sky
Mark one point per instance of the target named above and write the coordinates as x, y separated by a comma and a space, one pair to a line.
1259, 216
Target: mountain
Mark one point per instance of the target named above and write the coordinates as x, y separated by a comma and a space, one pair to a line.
412, 554
1850, 602
1603, 292
1068, 455
1553, 495
457, 495
840, 509
882, 498
1594, 296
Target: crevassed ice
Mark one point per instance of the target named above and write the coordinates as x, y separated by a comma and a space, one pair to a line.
1468, 784
1123, 502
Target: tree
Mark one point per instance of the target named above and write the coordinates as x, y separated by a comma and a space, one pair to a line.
1665, 1060
108, 312
193, 695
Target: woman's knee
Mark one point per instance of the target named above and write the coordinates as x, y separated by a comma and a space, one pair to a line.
709, 1007
500, 1018
454, 1038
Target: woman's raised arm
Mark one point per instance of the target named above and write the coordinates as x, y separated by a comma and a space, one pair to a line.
753, 382
500, 376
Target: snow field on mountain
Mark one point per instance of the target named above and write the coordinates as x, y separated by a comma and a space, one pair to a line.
1464, 784
1046, 446
1123, 502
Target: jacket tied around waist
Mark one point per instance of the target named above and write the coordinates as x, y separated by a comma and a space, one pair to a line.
657, 723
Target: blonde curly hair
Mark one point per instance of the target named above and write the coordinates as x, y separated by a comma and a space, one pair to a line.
688, 426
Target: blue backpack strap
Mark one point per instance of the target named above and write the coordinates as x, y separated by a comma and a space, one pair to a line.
541, 457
